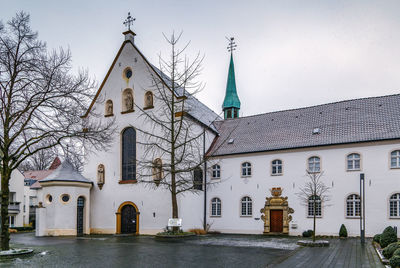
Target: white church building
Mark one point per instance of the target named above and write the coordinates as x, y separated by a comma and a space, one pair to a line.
257, 165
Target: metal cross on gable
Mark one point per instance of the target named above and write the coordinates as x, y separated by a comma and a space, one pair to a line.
232, 46
129, 21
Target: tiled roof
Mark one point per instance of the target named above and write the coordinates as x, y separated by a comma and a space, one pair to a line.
37, 175
194, 107
66, 172
359, 120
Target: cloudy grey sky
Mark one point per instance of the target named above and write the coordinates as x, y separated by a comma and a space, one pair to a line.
290, 53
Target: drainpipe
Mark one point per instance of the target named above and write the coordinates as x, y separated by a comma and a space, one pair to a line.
362, 208
205, 180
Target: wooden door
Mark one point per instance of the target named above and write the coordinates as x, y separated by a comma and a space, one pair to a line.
276, 221
128, 220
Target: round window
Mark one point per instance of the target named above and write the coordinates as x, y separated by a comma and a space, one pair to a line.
65, 198
49, 199
128, 73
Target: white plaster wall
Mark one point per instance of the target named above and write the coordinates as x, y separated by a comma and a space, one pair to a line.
154, 204
60, 217
381, 183
17, 185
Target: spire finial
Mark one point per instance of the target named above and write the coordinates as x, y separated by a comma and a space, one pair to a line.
231, 46
129, 21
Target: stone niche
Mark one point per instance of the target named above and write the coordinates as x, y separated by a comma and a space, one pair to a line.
276, 203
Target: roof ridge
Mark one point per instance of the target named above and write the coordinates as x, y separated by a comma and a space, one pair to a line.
313, 106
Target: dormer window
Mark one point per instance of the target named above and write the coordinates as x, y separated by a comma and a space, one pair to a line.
316, 131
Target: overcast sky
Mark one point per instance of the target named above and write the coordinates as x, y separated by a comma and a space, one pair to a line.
290, 54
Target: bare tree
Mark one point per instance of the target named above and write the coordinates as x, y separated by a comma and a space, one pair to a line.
173, 144
39, 161
41, 102
315, 193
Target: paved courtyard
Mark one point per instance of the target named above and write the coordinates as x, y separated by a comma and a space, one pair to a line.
211, 251
340, 253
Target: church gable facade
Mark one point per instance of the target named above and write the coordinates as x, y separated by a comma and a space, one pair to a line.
256, 168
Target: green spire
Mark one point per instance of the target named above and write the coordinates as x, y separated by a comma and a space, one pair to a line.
231, 98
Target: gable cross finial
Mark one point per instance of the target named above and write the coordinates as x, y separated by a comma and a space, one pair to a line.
129, 21
232, 46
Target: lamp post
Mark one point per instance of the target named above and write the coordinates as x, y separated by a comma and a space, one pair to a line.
362, 208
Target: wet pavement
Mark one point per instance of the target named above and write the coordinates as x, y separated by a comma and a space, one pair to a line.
146, 251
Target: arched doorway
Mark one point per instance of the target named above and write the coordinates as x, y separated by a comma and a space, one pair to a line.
80, 215
128, 218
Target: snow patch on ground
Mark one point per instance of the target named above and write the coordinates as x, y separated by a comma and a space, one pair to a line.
277, 243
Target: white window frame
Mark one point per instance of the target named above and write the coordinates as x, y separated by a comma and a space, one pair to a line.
310, 208
353, 205
216, 171
216, 207
246, 206
395, 155
245, 169
394, 206
275, 164
312, 163
351, 162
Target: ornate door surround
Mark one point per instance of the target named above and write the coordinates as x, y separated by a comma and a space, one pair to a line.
276, 202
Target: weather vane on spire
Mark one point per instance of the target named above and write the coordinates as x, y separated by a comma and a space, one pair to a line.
129, 21
232, 46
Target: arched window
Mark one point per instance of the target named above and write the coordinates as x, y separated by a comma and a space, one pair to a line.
216, 207
353, 206
157, 169
129, 154
216, 171
246, 206
276, 166
395, 159
246, 169
109, 108
353, 162
311, 200
127, 101
394, 206
148, 100
198, 179
314, 164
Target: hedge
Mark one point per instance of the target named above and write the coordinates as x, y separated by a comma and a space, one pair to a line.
390, 249
388, 236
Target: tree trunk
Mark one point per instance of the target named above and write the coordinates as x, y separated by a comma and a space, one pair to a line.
174, 202
5, 192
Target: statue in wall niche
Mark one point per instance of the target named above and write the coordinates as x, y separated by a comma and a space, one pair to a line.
109, 108
100, 176
149, 99
128, 100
